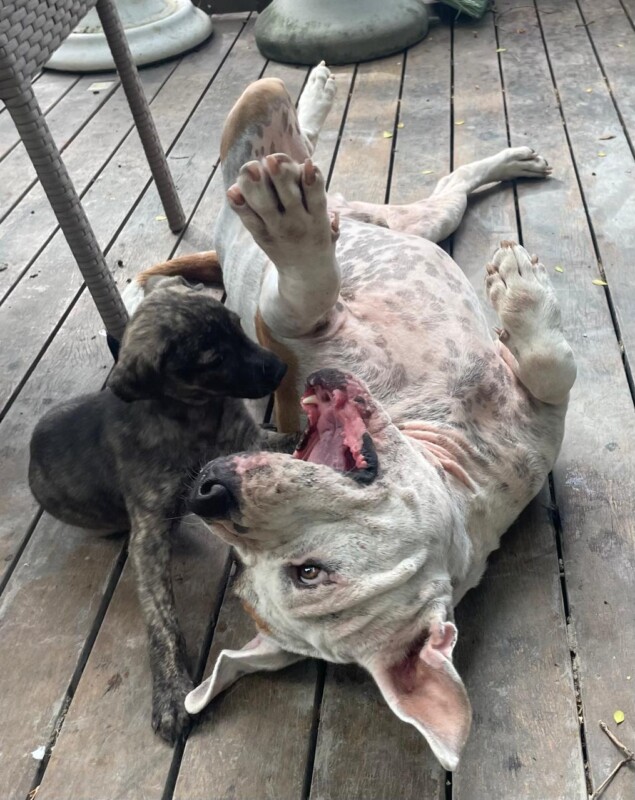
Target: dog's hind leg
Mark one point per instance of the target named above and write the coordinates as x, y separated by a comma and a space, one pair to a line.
150, 551
532, 340
264, 121
438, 216
315, 102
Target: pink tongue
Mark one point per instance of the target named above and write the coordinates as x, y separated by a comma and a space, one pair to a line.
329, 449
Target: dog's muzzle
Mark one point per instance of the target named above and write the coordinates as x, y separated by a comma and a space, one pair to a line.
216, 492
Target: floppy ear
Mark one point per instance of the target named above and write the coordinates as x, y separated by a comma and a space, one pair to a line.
425, 690
258, 654
136, 376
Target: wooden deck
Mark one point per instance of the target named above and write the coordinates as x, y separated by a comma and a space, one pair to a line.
547, 644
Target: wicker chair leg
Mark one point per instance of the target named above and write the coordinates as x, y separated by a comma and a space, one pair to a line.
113, 29
68, 209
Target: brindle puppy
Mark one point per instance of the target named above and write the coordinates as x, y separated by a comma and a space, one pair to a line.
122, 458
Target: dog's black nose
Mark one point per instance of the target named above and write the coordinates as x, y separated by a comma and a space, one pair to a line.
214, 494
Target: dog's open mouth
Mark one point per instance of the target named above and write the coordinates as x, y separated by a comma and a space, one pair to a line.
337, 434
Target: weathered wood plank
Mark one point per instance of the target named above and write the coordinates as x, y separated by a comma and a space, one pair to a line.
613, 36
253, 741
371, 113
594, 477
79, 356
513, 650
516, 665
32, 223
107, 740
479, 131
422, 146
364, 750
46, 615
49, 89
66, 119
607, 180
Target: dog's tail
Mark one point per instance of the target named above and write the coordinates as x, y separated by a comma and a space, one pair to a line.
194, 267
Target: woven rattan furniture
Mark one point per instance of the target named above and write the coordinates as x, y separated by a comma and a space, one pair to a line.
30, 31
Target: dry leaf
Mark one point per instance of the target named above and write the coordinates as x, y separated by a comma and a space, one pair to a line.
521, 30
501, 49
459, 122
160, 217
99, 86
400, 125
599, 282
605, 136
589, 90
620, 45
618, 716
387, 135
427, 172
602, 154
559, 268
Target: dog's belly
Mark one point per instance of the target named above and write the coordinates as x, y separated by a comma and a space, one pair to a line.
409, 321
411, 326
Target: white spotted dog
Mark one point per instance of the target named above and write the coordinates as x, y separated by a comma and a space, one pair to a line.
424, 437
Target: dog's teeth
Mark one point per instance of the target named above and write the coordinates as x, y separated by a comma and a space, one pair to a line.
311, 400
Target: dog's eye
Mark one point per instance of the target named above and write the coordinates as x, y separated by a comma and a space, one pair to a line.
210, 358
310, 574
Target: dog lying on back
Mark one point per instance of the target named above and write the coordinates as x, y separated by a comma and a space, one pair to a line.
123, 458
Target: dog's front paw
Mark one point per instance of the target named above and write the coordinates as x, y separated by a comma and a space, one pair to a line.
283, 205
169, 718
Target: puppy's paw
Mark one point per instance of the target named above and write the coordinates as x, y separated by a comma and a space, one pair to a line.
170, 720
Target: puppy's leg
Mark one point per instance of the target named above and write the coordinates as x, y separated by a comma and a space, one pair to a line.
283, 205
532, 341
436, 217
150, 552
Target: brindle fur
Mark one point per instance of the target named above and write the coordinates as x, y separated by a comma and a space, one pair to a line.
123, 458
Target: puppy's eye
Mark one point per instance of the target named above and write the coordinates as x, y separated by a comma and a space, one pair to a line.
310, 574
210, 358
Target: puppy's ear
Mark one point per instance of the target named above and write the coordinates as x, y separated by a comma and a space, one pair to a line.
136, 376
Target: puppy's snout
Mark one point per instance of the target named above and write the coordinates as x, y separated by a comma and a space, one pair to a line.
266, 371
278, 371
214, 494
